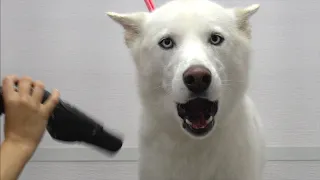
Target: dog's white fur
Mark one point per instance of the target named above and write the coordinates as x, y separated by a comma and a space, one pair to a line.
234, 150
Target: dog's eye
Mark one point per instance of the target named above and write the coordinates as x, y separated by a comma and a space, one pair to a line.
216, 39
166, 43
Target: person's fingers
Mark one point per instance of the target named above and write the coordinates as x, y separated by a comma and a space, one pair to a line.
8, 86
24, 86
38, 91
51, 102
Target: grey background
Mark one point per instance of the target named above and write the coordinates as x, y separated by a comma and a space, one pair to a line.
73, 46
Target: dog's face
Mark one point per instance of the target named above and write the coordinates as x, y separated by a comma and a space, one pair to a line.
197, 53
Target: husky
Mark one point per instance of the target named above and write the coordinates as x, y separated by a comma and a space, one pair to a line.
192, 59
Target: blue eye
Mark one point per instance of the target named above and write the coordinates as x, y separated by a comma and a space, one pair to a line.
216, 39
167, 43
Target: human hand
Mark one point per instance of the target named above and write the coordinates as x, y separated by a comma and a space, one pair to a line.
25, 116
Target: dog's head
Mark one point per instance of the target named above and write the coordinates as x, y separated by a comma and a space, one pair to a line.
193, 56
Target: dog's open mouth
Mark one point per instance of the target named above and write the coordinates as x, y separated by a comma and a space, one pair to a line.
198, 115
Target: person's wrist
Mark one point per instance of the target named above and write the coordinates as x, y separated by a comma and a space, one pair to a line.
20, 148
13, 158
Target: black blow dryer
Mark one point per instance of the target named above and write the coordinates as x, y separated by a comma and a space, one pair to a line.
69, 124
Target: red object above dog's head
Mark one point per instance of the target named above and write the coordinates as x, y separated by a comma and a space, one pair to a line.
149, 4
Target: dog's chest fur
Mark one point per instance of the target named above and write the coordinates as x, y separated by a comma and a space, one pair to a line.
232, 153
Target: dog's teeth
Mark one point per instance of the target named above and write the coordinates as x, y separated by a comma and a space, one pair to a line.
188, 122
210, 119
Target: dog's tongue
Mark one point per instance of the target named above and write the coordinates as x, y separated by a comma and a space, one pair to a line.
200, 122
198, 112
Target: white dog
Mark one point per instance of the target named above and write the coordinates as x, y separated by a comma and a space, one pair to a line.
192, 59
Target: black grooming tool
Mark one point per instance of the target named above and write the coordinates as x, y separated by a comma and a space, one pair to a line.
69, 124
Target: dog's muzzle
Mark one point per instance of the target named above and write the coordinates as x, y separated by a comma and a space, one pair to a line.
197, 113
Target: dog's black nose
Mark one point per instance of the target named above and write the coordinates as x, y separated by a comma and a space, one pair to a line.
197, 78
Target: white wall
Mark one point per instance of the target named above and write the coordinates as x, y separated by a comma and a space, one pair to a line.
73, 46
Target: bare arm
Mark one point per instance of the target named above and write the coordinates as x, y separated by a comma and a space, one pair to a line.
13, 158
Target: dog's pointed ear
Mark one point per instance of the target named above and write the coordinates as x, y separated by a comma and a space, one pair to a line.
247, 12
131, 22
243, 16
